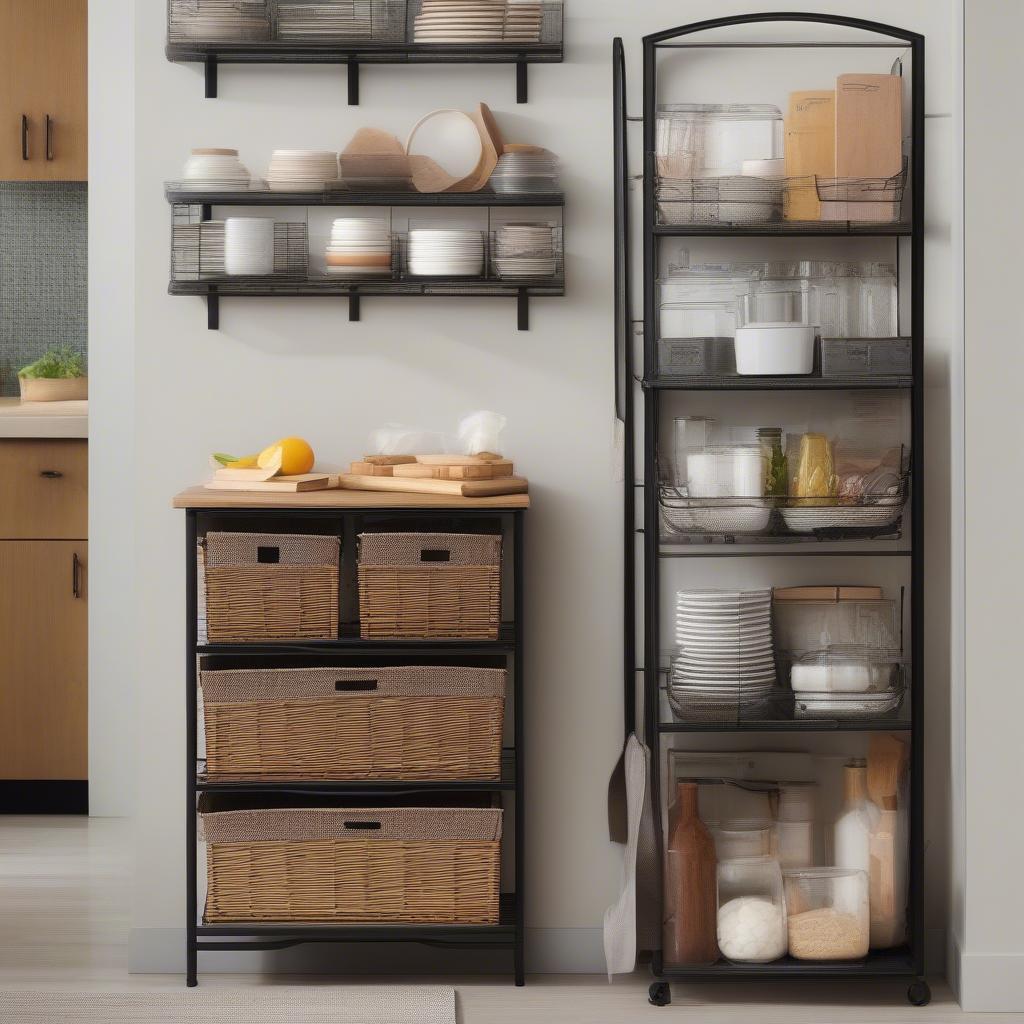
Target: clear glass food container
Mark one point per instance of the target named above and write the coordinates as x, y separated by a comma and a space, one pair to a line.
827, 913
751, 910
743, 839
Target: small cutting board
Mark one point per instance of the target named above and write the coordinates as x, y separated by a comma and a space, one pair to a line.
810, 151
286, 484
460, 488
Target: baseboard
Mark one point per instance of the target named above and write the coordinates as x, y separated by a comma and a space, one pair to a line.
548, 951
44, 796
989, 982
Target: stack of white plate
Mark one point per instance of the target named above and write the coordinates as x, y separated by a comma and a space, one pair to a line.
248, 245
214, 170
359, 247
520, 173
524, 250
434, 252
227, 21
870, 515
725, 664
478, 21
301, 170
339, 19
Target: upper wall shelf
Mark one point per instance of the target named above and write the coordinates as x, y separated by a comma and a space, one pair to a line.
387, 32
342, 197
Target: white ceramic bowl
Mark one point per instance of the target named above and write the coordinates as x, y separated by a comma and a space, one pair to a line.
775, 349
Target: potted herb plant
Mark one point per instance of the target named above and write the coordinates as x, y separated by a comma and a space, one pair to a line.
56, 376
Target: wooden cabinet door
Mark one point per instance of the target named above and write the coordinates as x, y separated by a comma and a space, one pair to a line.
43, 57
43, 690
46, 490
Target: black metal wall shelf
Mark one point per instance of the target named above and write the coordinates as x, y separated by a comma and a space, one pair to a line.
344, 197
507, 651
212, 55
646, 711
213, 288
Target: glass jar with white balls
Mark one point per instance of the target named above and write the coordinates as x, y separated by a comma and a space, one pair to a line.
751, 910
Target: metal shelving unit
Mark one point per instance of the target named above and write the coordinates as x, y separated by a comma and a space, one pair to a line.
349, 649
646, 552
198, 206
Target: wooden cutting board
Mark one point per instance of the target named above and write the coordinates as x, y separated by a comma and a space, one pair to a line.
869, 139
460, 488
285, 484
810, 150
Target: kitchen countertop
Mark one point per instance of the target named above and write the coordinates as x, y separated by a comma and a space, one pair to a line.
200, 497
43, 419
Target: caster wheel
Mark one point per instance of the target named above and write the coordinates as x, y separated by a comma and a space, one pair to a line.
659, 994
919, 994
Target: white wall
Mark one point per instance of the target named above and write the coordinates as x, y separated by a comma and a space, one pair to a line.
299, 367
990, 905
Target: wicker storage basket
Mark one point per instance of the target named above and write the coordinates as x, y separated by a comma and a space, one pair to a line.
429, 585
270, 586
417, 865
406, 722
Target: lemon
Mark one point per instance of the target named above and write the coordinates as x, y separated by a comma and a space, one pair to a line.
295, 454
235, 461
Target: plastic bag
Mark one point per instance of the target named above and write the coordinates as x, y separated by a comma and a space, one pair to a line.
477, 432
481, 432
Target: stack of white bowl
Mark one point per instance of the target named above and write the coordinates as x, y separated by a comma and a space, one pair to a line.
301, 170
248, 245
359, 247
435, 252
524, 250
724, 666
214, 170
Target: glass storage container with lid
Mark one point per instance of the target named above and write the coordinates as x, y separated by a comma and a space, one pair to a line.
827, 913
741, 839
700, 140
751, 910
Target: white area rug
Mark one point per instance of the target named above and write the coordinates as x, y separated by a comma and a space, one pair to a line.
316, 1004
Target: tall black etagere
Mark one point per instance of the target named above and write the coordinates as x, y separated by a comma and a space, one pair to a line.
644, 549
347, 519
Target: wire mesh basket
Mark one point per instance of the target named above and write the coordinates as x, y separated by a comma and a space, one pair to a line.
197, 251
521, 250
218, 21
325, 21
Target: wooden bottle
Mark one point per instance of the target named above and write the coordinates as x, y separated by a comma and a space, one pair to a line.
691, 899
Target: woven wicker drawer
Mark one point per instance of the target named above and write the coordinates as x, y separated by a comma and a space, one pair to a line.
405, 722
270, 586
415, 865
437, 585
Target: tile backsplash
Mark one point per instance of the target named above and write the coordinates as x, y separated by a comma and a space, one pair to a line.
43, 267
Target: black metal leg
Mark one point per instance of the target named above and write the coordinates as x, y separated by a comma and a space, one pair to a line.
213, 312
191, 748
518, 524
353, 307
210, 65
206, 212
523, 310
353, 83
521, 73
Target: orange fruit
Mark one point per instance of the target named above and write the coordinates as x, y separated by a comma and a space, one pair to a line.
296, 456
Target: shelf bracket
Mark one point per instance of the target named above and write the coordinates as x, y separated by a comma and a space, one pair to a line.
213, 312
210, 67
523, 310
206, 212
353, 307
521, 81
353, 83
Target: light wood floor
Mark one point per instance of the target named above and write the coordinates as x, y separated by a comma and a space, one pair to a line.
64, 919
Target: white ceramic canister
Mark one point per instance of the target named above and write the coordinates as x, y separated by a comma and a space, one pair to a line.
775, 349
248, 245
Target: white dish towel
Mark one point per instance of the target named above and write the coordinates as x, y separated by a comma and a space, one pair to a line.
620, 918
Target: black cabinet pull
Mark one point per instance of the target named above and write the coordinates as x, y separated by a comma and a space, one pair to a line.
49, 137
24, 137
51, 474
76, 575
366, 825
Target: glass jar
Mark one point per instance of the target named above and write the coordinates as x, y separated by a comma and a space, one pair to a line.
827, 913
751, 910
776, 484
740, 839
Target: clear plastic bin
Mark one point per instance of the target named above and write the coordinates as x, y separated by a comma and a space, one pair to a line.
751, 910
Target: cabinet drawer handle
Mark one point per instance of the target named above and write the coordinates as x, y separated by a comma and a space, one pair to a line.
76, 575
24, 137
51, 474
49, 137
